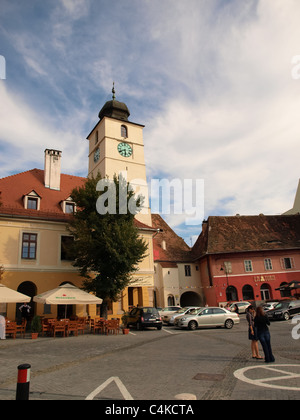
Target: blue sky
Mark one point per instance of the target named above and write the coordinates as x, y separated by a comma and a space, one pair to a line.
210, 80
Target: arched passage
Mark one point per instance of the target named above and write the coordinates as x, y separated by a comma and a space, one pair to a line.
190, 299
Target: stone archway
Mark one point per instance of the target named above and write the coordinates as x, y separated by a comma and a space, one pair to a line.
191, 299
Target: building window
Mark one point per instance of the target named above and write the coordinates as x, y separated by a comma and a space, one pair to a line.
287, 263
66, 242
248, 293
32, 203
187, 270
29, 245
228, 267
248, 265
124, 132
268, 264
70, 207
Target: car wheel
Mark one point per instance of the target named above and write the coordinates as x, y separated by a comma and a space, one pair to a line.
228, 324
159, 327
192, 325
286, 316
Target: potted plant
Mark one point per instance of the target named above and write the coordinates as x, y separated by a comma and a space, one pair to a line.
36, 326
125, 323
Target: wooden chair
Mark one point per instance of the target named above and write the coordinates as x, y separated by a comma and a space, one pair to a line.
59, 326
47, 326
72, 326
21, 328
113, 326
81, 324
11, 328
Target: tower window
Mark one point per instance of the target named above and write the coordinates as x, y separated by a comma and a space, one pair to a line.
124, 132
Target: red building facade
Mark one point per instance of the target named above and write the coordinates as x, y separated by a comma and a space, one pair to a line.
248, 257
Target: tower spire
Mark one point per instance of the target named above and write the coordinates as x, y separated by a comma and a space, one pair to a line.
113, 91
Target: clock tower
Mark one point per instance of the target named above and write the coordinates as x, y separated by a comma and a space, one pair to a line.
116, 146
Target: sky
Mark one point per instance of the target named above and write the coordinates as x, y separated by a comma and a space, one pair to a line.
215, 82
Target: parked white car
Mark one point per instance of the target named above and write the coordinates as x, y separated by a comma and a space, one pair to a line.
241, 305
173, 319
209, 317
168, 310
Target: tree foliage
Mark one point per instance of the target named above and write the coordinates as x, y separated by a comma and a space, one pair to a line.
107, 247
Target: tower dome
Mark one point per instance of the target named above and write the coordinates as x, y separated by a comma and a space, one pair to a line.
114, 109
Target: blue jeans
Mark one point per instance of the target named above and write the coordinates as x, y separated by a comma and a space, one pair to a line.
265, 340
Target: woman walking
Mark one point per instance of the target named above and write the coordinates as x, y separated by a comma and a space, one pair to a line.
252, 333
261, 322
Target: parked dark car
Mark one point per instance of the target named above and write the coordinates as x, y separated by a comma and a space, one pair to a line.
284, 310
144, 317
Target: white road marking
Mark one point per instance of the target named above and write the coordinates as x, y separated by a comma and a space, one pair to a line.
240, 374
125, 393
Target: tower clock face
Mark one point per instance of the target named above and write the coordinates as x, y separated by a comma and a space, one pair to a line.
96, 155
125, 149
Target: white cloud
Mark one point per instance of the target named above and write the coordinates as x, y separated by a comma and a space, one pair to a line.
242, 134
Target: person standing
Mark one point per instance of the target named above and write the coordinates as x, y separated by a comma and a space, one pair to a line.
252, 334
25, 310
261, 322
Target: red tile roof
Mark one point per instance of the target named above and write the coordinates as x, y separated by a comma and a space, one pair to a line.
13, 189
176, 250
248, 233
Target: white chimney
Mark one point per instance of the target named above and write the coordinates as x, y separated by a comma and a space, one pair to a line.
52, 169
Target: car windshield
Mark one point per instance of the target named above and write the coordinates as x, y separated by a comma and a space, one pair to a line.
181, 311
195, 311
281, 305
150, 311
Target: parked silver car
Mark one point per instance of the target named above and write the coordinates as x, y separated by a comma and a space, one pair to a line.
173, 319
209, 317
241, 305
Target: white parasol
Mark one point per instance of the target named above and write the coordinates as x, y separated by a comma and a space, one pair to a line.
67, 294
8, 295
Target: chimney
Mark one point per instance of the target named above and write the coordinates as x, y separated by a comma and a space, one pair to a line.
52, 169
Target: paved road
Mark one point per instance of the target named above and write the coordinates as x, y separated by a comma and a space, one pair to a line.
154, 365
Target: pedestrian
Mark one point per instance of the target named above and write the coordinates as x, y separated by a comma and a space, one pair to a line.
252, 333
2, 327
227, 306
236, 309
25, 310
261, 322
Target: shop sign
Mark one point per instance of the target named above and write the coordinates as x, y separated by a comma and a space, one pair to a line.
264, 278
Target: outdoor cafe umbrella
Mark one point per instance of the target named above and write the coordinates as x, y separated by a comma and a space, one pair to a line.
67, 294
8, 295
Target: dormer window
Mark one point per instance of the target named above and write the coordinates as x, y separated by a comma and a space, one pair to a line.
124, 132
68, 206
32, 201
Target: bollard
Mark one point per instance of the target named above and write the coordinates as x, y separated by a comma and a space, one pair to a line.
22, 393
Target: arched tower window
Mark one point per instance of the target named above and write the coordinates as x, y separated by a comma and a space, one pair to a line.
124, 132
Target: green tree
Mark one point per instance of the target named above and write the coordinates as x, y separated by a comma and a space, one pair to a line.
107, 247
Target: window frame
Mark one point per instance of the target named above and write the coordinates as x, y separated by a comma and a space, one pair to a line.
26, 252
248, 266
268, 264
